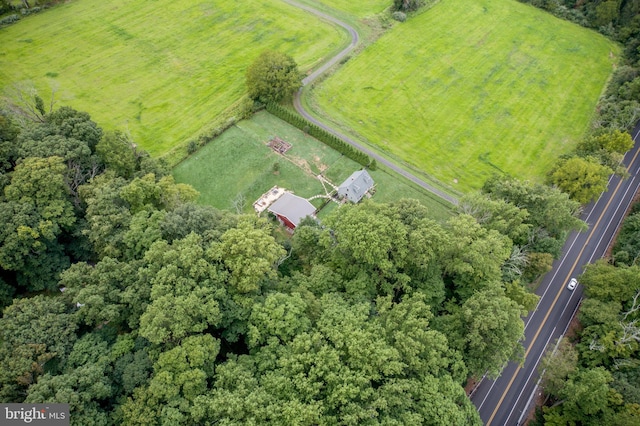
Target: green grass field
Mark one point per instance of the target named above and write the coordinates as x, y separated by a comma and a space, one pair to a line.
239, 162
473, 87
360, 8
159, 69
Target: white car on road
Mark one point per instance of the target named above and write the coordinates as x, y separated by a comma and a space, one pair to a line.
572, 284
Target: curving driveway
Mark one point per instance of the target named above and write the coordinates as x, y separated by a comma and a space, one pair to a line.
331, 62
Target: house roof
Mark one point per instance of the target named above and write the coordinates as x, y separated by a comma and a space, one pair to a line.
292, 207
356, 185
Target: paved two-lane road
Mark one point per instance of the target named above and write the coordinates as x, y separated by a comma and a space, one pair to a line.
503, 401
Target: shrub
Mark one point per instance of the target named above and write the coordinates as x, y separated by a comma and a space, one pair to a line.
8, 20
399, 16
407, 5
30, 11
192, 147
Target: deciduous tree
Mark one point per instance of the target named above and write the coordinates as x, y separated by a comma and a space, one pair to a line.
498, 214
408, 5
556, 366
489, 330
249, 253
473, 255
273, 77
35, 211
280, 316
118, 153
185, 290
549, 208
583, 179
32, 331
523, 297
605, 282
587, 395
85, 384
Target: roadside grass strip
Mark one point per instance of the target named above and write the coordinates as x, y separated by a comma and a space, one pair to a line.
473, 87
159, 69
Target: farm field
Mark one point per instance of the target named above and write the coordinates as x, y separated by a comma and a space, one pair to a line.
473, 87
161, 70
240, 162
360, 8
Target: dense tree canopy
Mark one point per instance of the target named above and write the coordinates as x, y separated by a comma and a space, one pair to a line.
134, 305
36, 211
153, 307
627, 246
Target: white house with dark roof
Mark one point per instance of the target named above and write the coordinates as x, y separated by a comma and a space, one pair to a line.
291, 209
356, 186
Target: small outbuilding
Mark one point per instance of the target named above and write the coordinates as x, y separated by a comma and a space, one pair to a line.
291, 209
356, 186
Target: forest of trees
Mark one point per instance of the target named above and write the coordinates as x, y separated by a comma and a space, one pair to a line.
125, 299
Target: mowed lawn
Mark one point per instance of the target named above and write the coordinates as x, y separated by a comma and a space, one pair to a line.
159, 69
240, 162
473, 87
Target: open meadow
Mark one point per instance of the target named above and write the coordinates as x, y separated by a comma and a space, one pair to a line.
239, 162
162, 69
360, 8
473, 87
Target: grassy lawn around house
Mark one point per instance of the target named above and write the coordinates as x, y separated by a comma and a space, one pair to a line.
473, 87
240, 162
159, 69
